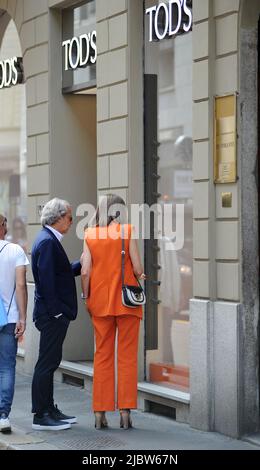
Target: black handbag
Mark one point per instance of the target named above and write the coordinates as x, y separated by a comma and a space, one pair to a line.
132, 296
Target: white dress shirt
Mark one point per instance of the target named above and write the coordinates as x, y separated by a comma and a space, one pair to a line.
57, 234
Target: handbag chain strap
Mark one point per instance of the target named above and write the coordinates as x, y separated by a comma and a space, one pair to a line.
14, 285
123, 256
123, 259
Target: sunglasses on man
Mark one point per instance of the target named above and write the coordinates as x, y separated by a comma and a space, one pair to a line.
69, 217
4, 222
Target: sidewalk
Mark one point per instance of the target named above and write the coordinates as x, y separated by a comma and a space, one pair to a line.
150, 432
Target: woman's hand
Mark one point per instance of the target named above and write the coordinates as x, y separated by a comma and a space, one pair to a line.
142, 277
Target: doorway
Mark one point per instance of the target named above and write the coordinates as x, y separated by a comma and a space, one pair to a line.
74, 175
73, 153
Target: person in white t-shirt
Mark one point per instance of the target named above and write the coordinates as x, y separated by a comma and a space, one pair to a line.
13, 292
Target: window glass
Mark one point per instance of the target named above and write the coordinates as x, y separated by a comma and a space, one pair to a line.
13, 185
171, 60
13, 156
76, 22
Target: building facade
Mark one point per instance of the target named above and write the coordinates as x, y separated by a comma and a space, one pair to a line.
157, 102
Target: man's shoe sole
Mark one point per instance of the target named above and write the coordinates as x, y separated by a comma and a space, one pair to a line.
70, 420
7, 430
59, 427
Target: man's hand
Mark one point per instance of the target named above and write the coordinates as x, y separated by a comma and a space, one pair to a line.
20, 329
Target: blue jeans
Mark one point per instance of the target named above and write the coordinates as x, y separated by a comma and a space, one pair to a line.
8, 350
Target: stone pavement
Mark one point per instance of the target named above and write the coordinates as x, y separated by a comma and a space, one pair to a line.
150, 432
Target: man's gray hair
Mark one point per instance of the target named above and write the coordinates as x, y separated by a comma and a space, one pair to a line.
53, 211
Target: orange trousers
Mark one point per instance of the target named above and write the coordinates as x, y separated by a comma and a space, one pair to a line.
127, 327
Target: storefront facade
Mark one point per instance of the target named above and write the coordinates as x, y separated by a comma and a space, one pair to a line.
94, 122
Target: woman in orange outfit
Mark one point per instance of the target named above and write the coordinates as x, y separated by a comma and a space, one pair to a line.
102, 287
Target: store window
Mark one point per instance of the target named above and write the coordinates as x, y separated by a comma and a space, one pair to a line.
13, 185
79, 52
168, 91
13, 156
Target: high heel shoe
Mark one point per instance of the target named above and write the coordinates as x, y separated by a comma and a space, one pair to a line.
125, 419
100, 420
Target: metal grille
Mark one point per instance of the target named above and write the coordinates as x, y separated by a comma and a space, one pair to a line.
102, 442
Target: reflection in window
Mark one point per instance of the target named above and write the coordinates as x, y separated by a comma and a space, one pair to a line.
85, 12
166, 65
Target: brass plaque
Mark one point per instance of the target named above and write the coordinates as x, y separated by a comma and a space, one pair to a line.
225, 146
227, 200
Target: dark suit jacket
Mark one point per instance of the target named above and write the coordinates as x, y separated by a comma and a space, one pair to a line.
55, 288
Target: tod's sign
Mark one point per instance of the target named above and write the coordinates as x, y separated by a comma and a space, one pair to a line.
11, 72
80, 51
170, 18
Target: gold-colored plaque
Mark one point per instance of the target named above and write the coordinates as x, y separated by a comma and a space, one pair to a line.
226, 200
225, 145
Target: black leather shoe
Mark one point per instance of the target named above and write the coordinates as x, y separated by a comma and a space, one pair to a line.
47, 423
55, 413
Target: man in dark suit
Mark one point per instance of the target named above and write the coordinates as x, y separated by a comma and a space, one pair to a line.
55, 306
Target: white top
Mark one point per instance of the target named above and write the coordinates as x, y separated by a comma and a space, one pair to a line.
11, 257
57, 234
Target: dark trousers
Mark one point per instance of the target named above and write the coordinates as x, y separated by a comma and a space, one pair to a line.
53, 332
